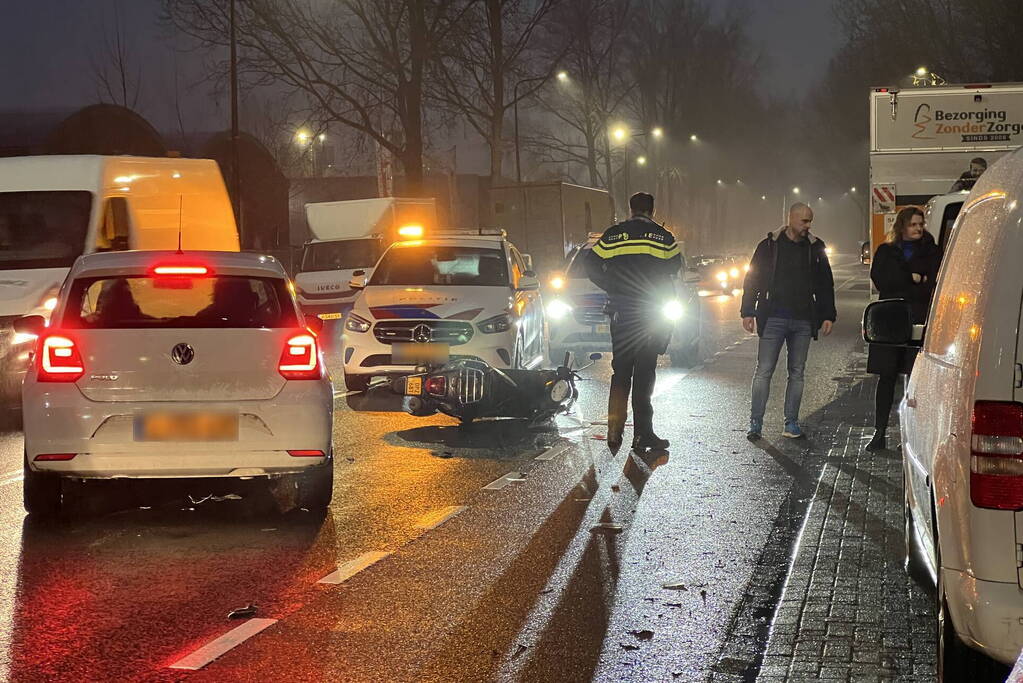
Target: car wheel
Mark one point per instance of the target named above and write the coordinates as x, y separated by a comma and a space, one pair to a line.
357, 382
41, 492
956, 661
316, 488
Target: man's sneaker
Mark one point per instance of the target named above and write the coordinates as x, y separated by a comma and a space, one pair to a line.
792, 431
643, 442
755, 427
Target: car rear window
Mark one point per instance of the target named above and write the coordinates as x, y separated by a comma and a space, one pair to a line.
229, 301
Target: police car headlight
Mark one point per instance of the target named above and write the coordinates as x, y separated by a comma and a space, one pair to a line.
673, 310
357, 324
734, 272
722, 276
499, 323
557, 282
558, 309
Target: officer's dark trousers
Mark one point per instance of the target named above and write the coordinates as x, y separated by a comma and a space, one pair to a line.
634, 365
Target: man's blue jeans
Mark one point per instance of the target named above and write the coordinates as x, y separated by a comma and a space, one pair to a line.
795, 335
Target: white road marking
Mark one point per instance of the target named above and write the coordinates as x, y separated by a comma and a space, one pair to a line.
501, 482
11, 473
12, 480
353, 567
342, 394
215, 648
432, 520
554, 451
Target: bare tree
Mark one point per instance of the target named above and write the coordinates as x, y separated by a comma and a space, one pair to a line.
117, 79
494, 50
363, 64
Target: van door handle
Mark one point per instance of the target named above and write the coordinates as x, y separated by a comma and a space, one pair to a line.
910, 402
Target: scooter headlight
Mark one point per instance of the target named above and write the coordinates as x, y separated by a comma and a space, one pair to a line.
558, 309
673, 310
560, 391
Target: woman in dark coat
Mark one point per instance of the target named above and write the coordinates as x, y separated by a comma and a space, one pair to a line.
905, 267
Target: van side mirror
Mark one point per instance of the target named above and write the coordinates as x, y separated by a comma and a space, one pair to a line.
357, 273
314, 324
889, 321
528, 282
358, 282
30, 324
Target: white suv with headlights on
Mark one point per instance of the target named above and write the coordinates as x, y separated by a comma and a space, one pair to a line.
459, 295
176, 365
577, 322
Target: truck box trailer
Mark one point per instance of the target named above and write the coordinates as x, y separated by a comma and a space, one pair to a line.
922, 142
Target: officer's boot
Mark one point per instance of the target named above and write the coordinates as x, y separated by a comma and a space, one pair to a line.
645, 439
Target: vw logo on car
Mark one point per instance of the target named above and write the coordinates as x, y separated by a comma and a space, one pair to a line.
182, 354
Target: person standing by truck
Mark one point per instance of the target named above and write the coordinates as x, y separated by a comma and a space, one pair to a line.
904, 267
969, 178
788, 295
636, 262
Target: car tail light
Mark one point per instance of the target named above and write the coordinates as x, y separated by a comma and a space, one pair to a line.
59, 360
436, 385
300, 358
996, 455
306, 454
52, 457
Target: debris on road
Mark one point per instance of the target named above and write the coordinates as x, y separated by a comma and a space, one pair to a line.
609, 527
644, 634
676, 586
243, 612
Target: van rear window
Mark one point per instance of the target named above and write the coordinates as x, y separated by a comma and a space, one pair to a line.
43, 229
136, 302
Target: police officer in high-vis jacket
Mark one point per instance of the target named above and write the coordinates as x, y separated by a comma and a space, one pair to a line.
636, 263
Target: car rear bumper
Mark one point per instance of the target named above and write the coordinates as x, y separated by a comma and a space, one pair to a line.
58, 419
987, 615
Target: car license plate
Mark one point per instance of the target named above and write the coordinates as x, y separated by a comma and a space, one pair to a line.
413, 386
330, 316
432, 353
602, 329
186, 427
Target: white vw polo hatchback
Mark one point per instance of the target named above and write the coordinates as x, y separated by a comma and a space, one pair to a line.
458, 296
176, 365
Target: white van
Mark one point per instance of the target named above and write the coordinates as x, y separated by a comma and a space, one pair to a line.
55, 208
962, 430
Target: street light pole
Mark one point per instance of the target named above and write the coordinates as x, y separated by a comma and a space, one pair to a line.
515, 114
236, 180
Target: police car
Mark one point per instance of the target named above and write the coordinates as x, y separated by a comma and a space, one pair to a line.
577, 322
454, 295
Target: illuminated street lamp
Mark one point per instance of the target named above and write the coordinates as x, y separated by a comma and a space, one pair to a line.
302, 136
657, 133
641, 160
562, 76
619, 134
693, 138
852, 189
795, 190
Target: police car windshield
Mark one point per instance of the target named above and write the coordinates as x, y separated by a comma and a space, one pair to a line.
435, 264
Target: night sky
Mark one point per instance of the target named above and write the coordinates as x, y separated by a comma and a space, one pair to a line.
48, 47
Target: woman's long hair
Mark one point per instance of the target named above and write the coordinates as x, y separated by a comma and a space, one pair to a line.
901, 221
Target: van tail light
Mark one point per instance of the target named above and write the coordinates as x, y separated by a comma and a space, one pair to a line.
54, 457
59, 360
305, 454
300, 358
996, 455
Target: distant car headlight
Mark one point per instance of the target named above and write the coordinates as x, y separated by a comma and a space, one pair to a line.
673, 310
557, 282
357, 324
722, 276
745, 268
499, 323
558, 309
828, 251
734, 272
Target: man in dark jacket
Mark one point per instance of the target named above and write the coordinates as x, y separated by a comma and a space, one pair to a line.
635, 262
788, 296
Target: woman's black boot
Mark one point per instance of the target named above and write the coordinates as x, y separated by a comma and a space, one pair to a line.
878, 442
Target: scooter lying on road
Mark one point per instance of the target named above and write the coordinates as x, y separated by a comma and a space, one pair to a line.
471, 389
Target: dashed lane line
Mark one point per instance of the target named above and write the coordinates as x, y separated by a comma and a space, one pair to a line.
12, 480
434, 519
219, 646
553, 452
353, 567
503, 481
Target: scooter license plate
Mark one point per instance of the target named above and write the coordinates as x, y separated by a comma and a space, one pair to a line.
413, 386
403, 353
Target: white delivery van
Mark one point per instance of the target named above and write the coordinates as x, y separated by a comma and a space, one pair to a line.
349, 237
962, 430
55, 208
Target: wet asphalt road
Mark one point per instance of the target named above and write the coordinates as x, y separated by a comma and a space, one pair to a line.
516, 582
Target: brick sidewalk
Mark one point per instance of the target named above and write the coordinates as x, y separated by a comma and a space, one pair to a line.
848, 610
